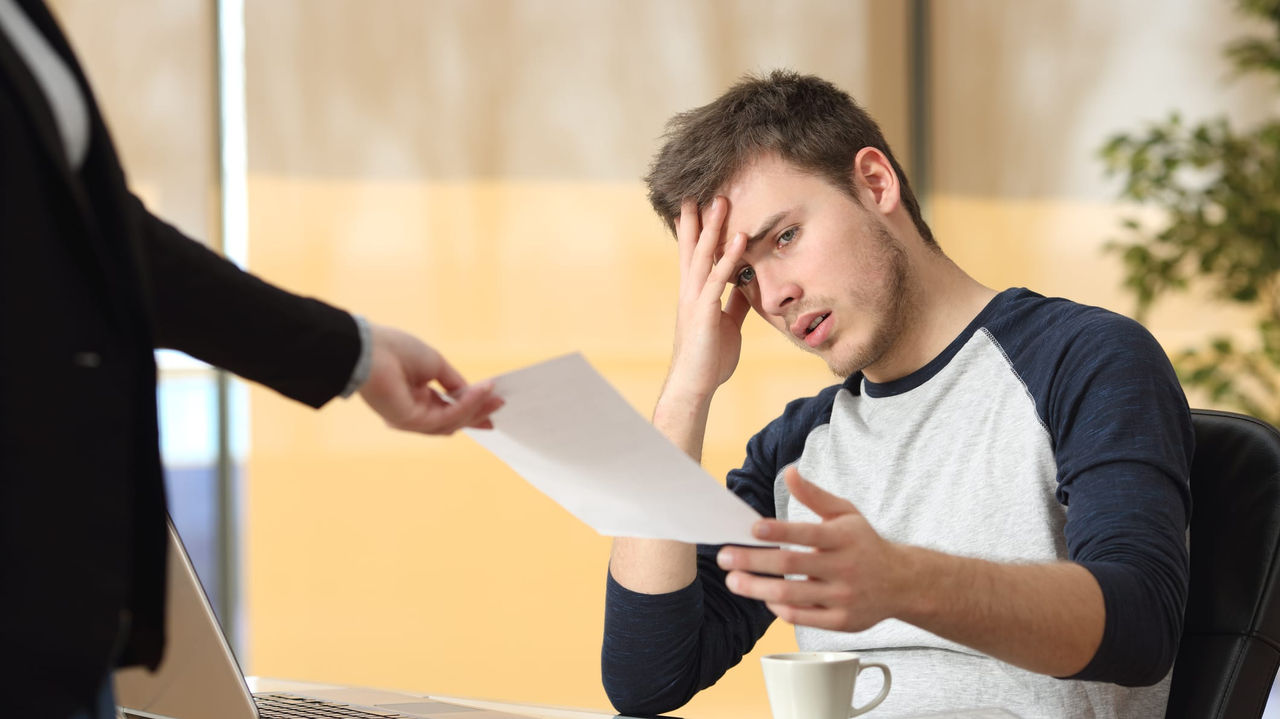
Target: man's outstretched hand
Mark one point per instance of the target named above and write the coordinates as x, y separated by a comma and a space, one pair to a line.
851, 575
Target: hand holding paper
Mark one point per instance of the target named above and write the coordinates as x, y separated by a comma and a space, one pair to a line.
571, 435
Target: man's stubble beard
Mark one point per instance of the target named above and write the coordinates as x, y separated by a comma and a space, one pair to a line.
891, 324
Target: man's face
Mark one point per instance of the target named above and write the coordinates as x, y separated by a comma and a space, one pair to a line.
823, 270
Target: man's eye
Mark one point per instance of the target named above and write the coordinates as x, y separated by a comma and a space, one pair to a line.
787, 236
745, 276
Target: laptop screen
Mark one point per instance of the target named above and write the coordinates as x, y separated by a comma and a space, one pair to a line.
199, 677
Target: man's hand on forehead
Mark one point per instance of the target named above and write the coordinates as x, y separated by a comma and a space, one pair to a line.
718, 253
708, 326
704, 219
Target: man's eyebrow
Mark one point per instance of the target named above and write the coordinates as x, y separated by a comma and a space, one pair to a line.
765, 228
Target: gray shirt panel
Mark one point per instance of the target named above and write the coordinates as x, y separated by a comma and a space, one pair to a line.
962, 464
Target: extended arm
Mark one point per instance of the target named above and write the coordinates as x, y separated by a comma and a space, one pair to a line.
204, 305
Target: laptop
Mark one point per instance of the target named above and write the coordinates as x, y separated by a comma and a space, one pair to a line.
199, 677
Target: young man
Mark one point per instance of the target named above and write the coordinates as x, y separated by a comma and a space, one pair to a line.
995, 497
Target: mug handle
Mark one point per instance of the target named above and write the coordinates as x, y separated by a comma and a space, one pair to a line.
884, 690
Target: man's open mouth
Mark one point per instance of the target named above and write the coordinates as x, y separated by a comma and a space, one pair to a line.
814, 324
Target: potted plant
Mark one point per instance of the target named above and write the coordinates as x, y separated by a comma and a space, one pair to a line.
1217, 190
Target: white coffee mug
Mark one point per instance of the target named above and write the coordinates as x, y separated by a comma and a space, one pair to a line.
817, 685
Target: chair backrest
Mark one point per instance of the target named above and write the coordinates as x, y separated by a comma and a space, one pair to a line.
1231, 634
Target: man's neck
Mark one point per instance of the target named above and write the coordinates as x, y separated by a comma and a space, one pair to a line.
942, 300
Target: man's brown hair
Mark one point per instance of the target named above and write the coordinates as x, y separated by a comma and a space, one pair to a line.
805, 120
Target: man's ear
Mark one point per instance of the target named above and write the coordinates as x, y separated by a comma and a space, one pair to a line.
875, 180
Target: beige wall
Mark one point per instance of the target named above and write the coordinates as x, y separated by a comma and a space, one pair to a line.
467, 169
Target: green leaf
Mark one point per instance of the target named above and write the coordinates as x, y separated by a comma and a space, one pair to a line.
1217, 192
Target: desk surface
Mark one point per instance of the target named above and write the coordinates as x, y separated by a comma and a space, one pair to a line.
353, 695
534, 711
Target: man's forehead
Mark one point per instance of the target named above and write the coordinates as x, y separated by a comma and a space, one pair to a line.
762, 190
760, 193
755, 231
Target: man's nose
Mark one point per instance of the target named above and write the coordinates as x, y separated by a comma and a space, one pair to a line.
777, 295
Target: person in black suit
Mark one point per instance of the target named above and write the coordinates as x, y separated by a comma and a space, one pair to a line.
90, 283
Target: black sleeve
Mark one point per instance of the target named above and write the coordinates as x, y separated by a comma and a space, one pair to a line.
205, 306
1124, 441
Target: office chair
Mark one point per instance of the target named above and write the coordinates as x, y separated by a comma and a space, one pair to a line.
1231, 633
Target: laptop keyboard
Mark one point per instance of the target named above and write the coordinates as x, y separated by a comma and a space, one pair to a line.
287, 706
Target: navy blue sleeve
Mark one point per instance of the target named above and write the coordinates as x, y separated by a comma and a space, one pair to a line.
1123, 441
661, 649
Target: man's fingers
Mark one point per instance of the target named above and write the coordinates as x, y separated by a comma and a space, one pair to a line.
819, 617
776, 562
822, 502
805, 534
721, 273
704, 252
737, 307
775, 590
687, 226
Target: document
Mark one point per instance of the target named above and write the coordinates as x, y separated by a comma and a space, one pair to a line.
567, 431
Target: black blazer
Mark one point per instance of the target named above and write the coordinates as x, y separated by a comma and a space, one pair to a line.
90, 283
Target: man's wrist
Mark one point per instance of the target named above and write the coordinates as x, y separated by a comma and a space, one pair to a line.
681, 416
909, 603
681, 393
682, 406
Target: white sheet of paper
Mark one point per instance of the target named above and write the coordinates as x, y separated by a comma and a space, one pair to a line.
567, 431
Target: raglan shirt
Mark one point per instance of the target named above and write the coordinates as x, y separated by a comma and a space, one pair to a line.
1047, 430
